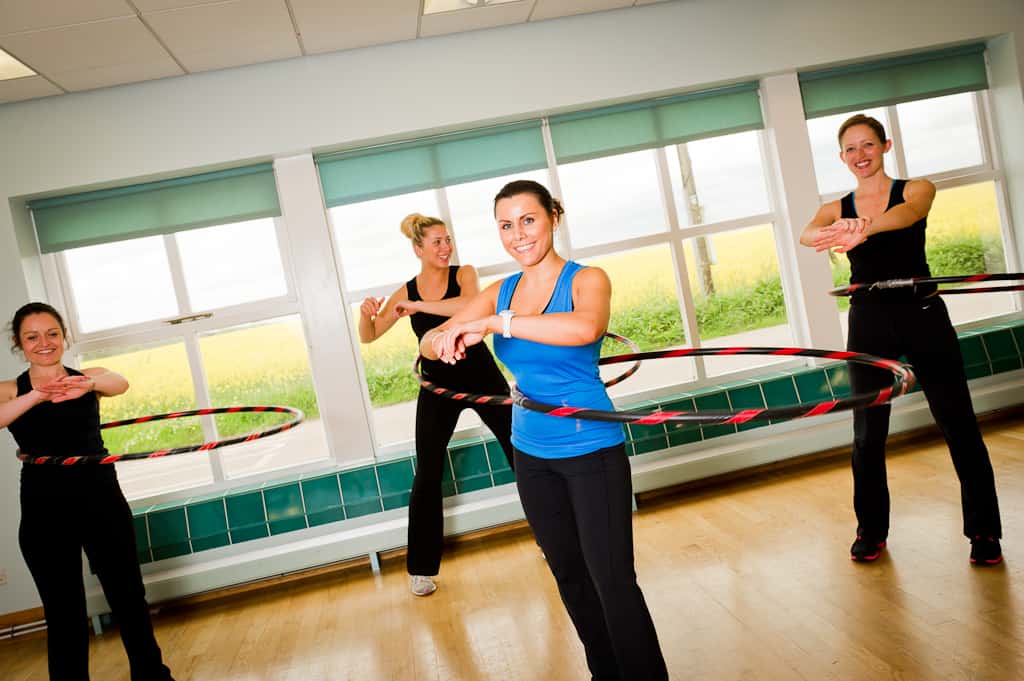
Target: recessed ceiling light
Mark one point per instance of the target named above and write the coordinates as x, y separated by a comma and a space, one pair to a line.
11, 68
436, 6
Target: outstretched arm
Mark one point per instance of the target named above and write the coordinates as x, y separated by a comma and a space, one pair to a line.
13, 405
469, 287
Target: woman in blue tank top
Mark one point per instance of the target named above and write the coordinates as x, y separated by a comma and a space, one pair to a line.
430, 298
881, 228
53, 410
572, 475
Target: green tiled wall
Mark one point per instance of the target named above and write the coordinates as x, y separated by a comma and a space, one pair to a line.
183, 527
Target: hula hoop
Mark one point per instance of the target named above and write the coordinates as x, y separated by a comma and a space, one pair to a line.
953, 279
505, 400
297, 417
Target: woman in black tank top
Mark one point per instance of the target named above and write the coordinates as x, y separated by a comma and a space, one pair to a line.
881, 228
436, 293
53, 410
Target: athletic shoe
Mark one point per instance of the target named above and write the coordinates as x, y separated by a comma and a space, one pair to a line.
866, 549
985, 551
422, 585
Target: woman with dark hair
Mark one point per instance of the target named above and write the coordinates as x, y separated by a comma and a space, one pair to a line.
53, 410
573, 476
437, 292
881, 228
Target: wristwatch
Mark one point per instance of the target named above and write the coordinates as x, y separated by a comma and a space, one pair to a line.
506, 322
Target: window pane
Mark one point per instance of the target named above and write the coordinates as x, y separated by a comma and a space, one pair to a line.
831, 172
964, 237
940, 134
725, 179
612, 198
160, 382
231, 264
645, 309
370, 244
737, 293
120, 283
472, 209
263, 364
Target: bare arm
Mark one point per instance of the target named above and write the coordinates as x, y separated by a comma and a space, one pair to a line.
827, 215
480, 310
469, 287
13, 405
377, 317
918, 196
105, 382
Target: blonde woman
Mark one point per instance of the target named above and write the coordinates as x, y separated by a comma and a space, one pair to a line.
429, 299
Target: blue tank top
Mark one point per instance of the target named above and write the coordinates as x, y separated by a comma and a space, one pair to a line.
555, 374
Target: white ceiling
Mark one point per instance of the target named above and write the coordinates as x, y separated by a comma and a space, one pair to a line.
77, 45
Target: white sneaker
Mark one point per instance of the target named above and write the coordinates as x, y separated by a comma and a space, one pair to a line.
422, 585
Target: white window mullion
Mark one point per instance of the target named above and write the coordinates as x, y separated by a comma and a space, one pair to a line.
202, 395
562, 235
441, 196
896, 135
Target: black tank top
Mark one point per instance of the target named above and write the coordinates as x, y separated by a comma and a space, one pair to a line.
478, 372
69, 428
896, 254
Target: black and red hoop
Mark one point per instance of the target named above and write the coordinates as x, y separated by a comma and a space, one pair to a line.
297, 417
914, 282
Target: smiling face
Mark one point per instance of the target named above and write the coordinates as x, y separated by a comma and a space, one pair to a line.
41, 338
436, 249
526, 228
862, 150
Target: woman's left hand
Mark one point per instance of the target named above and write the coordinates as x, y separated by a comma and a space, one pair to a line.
68, 388
404, 308
451, 343
842, 235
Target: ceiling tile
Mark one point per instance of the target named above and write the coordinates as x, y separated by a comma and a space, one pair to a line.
17, 89
327, 25
145, 6
476, 17
92, 55
207, 37
549, 9
29, 15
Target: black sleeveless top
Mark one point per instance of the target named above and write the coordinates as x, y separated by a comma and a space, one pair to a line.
896, 254
478, 372
69, 428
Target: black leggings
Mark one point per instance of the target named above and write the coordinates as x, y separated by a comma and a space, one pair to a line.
436, 418
581, 513
923, 333
62, 512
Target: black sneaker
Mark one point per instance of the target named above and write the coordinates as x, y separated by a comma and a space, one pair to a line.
866, 549
985, 551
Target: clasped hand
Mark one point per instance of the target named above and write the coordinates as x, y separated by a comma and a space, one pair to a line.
67, 388
842, 235
450, 344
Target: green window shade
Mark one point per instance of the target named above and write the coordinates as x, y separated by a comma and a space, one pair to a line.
892, 81
405, 167
155, 208
656, 122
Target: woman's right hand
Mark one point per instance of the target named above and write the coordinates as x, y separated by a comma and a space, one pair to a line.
451, 343
371, 307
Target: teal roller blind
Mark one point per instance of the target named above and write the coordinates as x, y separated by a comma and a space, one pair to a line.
656, 122
153, 208
432, 162
891, 81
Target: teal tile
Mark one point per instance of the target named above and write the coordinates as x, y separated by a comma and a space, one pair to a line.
1002, 350
715, 401
361, 508
780, 392
975, 360
496, 456
812, 386
208, 525
747, 397
469, 462
647, 438
681, 433
397, 500
473, 483
142, 538
395, 477
448, 488
359, 485
330, 515
322, 494
246, 519
1018, 335
284, 508
839, 380
504, 477
168, 533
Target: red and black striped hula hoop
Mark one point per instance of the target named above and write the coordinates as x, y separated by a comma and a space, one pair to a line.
952, 279
504, 400
297, 417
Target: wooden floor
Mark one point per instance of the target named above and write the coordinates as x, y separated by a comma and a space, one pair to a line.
748, 580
